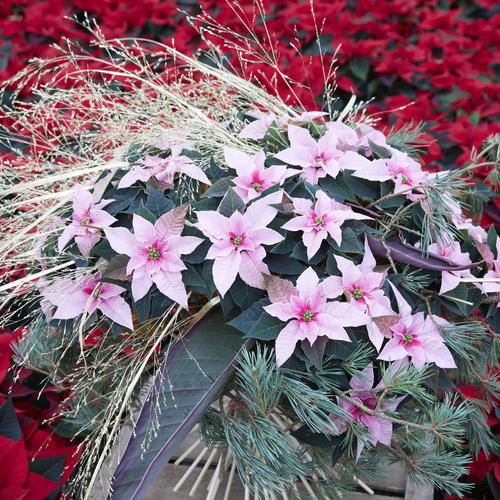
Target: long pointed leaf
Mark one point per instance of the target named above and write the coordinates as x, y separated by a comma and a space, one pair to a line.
189, 380
407, 254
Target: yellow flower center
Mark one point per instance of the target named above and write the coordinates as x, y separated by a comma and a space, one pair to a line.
357, 294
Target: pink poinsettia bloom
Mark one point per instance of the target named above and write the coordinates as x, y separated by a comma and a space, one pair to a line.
310, 314
85, 295
259, 127
317, 158
362, 285
451, 279
253, 177
379, 428
417, 337
319, 220
155, 253
88, 220
237, 242
164, 170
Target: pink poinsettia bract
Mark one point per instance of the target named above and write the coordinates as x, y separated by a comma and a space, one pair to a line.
88, 220
379, 428
87, 294
310, 313
416, 337
237, 242
319, 220
155, 253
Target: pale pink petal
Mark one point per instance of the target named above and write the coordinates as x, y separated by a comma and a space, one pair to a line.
116, 309
136, 174
307, 282
449, 281
191, 170
144, 230
353, 161
301, 137
385, 431
171, 285
333, 287
260, 213
121, 240
346, 314
225, 271
66, 235
418, 356
213, 224
376, 171
71, 305
312, 241
100, 218
297, 224
278, 289
287, 340
373, 427
404, 307
328, 143
252, 267
350, 273
393, 351
241, 162
141, 284
85, 242
369, 262
334, 231
297, 155
375, 335
378, 304
184, 245
220, 249
329, 327
281, 310
365, 380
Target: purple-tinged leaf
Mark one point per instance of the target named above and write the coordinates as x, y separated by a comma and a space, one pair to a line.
195, 371
401, 252
117, 268
315, 351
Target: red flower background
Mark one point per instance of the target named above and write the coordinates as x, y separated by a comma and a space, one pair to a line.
441, 55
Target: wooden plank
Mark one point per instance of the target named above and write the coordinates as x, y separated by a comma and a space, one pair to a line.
416, 491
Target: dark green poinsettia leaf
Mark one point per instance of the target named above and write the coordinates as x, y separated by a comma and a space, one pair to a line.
231, 203
267, 327
157, 204
9, 425
219, 188
247, 319
50, 468
146, 213
318, 440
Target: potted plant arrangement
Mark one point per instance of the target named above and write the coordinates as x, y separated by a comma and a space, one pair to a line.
208, 243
